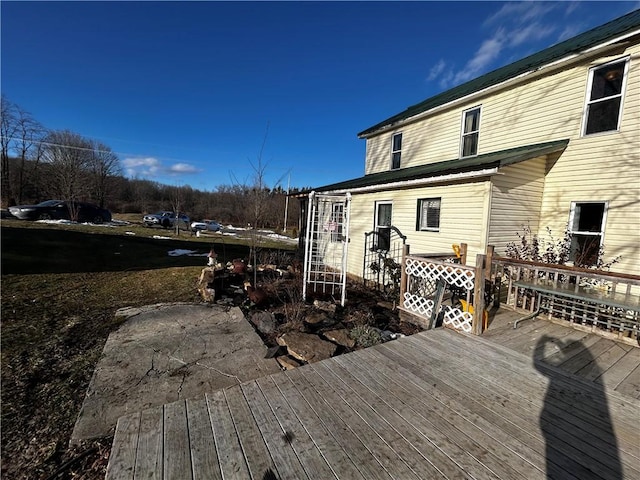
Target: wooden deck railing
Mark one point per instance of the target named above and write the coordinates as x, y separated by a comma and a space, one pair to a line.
602, 301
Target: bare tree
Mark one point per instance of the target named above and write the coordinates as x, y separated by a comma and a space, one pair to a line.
69, 157
8, 127
29, 134
104, 165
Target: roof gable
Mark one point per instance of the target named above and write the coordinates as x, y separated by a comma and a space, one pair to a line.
579, 43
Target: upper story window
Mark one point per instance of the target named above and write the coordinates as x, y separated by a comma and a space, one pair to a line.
470, 132
396, 150
604, 97
429, 214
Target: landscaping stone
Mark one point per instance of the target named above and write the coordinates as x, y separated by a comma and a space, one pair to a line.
265, 322
341, 337
328, 307
317, 318
306, 347
287, 363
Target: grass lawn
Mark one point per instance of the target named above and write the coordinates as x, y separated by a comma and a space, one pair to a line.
61, 285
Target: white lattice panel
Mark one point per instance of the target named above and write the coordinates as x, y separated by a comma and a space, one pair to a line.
453, 275
418, 304
456, 318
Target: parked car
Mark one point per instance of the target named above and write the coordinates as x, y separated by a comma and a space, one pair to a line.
62, 210
165, 219
209, 225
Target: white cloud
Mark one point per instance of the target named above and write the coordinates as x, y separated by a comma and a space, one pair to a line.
437, 70
184, 168
522, 12
142, 166
512, 27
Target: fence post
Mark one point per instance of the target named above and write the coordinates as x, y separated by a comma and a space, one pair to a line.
463, 254
403, 273
478, 296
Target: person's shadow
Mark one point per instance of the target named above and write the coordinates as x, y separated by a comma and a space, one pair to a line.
575, 421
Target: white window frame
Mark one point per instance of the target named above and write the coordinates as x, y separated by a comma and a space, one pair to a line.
399, 151
600, 233
376, 225
422, 202
464, 134
588, 102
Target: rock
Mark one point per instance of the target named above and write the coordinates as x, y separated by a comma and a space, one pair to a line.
306, 347
385, 305
287, 363
317, 318
328, 307
274, 352
341, 337
264, 321
205, 283
388, 335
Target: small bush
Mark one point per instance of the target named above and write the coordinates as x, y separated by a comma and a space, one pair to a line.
365, 336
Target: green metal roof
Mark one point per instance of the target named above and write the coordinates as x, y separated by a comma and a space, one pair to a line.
458, 165
591, 38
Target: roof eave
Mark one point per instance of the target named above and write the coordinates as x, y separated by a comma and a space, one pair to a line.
527, 75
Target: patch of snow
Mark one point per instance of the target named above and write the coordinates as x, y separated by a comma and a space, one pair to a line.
159, 237
57, 222
192, 253
129, 233
120, 222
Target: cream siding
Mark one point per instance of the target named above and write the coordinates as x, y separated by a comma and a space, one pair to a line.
597, 167
516, 199
540, 110
462, 219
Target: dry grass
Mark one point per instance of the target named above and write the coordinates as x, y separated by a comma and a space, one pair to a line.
60, 290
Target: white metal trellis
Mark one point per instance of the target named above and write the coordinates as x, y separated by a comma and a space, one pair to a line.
326, 242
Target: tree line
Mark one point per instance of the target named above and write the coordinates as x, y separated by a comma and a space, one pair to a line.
39, 164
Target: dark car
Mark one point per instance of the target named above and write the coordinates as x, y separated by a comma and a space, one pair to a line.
61, 210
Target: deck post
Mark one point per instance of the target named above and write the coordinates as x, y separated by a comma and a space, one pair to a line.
403, 274
478, 295
487, 270
463, 254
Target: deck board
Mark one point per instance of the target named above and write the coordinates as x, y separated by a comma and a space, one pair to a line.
204, 457
148, 462
438, 404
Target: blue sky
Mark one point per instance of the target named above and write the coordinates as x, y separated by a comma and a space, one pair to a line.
186, 93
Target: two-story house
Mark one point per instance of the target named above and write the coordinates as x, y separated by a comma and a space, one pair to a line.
550, 141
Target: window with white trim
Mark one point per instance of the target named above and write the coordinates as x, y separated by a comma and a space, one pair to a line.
428, 214
586, 226
603, 107
383, 225
470, 132
396, 150
337, 219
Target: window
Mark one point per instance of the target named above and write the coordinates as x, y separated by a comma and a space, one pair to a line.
470, 132
604, 100
383, 225
337, 219
586, 225
396, 150
428, 215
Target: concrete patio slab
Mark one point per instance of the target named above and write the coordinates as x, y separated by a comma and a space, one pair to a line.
169, 352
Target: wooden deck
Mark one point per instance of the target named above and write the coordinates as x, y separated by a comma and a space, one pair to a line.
438, 404
613, 364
